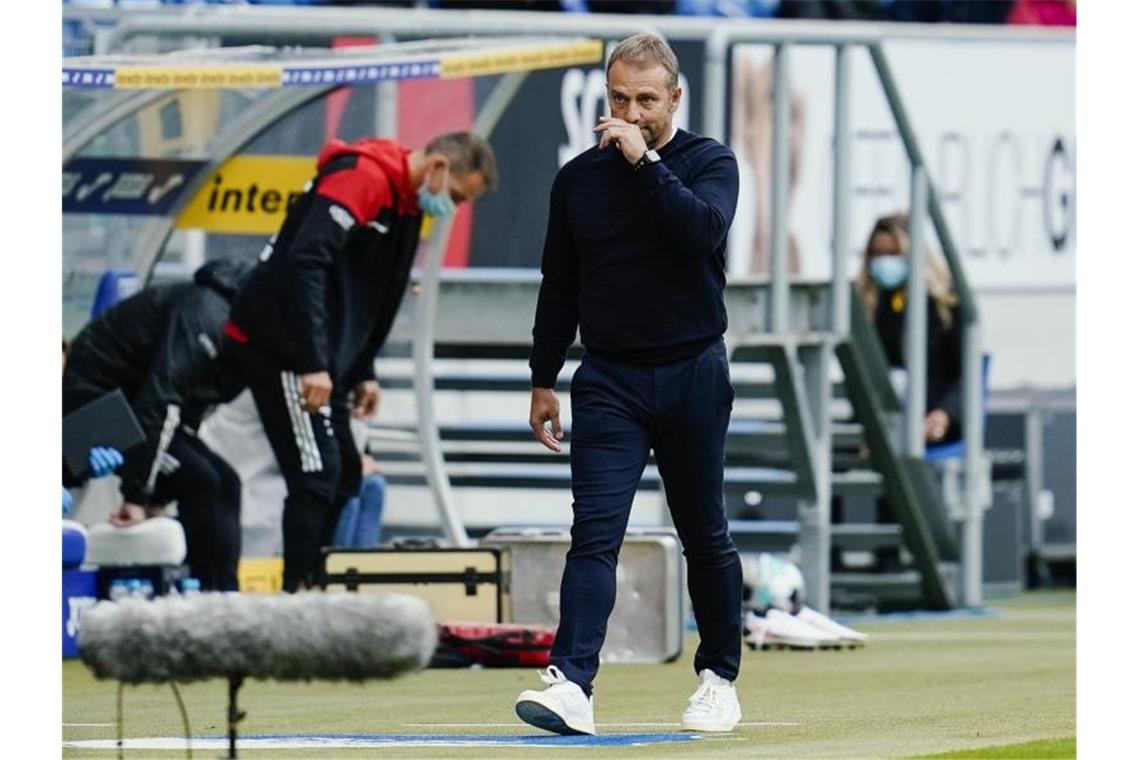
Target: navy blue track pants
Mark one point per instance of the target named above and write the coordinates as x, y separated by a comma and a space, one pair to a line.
619, 412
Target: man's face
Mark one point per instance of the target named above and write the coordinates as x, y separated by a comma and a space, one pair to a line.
641, 96
466, 188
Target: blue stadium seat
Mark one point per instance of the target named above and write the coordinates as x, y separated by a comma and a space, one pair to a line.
74, 544
114, 286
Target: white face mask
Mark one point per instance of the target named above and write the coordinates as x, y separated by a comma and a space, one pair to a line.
437, 204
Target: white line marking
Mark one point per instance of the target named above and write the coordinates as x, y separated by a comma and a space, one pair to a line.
676, 725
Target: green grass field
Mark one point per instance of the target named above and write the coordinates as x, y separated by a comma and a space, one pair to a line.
990, 687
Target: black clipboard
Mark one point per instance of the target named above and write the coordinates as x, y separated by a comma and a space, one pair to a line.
106, 421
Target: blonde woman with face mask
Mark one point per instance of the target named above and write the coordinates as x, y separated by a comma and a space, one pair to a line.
881, 285
882, 288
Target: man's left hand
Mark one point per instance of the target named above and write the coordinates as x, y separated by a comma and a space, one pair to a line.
366, 399
626, 136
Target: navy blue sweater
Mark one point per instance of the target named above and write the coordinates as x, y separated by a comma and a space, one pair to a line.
636, 259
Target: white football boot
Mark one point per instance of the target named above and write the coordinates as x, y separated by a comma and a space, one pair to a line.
713, 707
849, 637
562, 708
778, 629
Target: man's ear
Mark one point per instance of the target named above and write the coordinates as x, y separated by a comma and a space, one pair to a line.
675, 99
437, 161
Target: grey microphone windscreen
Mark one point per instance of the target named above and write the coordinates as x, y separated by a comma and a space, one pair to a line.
332, 636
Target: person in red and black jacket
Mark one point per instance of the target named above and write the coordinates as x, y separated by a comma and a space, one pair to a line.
318, 307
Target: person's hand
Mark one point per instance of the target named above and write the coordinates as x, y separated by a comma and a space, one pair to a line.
937, 424
316, 387
66, 501
133, 514
128, 514
544, 407
368, 465
103, 460
626, 136
366, 399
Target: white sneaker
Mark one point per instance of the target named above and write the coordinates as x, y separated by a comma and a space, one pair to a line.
779, 629
563, 708
847, 636
713, 707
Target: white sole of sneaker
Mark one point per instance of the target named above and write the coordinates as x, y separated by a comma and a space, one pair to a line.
707, 728
788, 642
541, 716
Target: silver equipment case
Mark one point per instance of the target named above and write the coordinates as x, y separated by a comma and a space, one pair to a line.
648, 621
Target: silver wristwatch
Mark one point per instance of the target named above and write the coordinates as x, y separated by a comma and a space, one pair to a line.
650, 157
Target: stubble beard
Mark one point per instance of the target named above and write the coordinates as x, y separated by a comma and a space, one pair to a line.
652, 137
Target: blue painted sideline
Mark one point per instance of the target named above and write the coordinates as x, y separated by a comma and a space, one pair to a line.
475, 740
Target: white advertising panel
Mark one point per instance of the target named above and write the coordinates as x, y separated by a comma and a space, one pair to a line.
995, 121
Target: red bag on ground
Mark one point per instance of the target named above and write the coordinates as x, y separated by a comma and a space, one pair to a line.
493, 645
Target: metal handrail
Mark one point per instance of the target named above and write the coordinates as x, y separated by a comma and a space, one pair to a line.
973, 413
969, 310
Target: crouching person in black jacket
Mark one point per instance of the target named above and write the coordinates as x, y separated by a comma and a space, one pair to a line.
315, 312
163, 347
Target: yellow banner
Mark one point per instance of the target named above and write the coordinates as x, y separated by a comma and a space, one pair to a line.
520, 59
248, 195
197, 77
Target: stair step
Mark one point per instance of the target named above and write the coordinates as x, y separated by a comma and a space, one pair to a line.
764, 535
865, 536
887, 591
520, 383
742, 433
737, 480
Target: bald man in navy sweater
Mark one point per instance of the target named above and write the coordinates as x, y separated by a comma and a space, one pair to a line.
635, 259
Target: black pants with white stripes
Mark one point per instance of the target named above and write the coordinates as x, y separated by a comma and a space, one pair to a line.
317, 457
208, 492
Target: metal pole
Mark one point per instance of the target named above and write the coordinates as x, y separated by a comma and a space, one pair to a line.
423, 381
423, 338
815, 517
496, 103
841, 193
781, 129
1034, 473
915, 324
973, 421
233, 714
424, 22
716, 65
387, 98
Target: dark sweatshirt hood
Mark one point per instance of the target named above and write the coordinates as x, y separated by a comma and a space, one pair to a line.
224, 276
388, 154
391, 157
